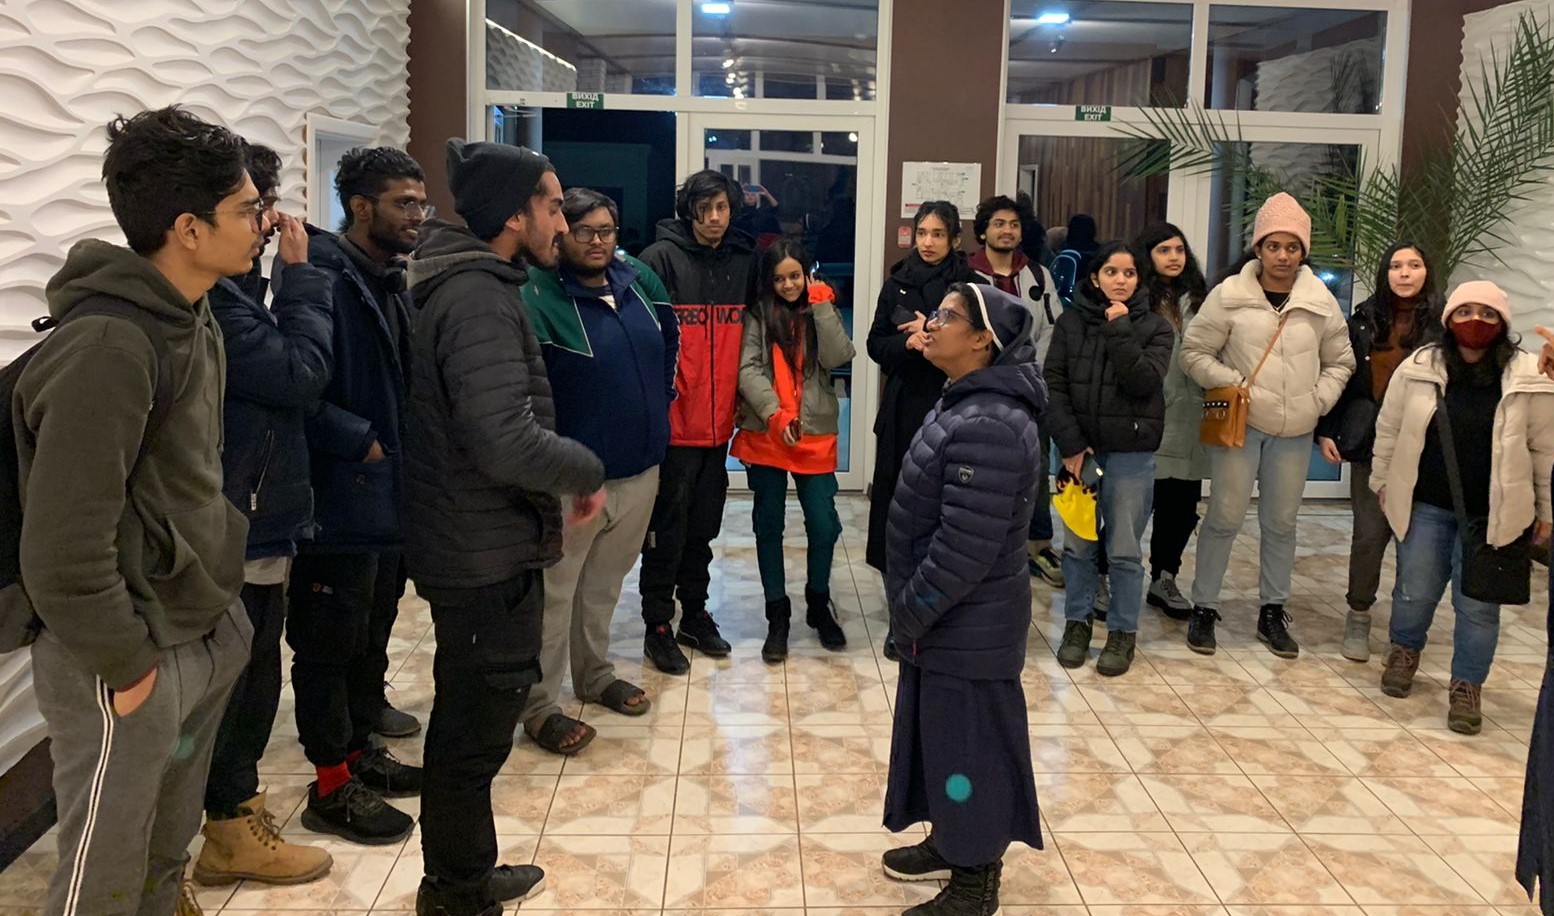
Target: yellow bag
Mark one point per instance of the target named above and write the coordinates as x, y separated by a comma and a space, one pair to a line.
1076, 505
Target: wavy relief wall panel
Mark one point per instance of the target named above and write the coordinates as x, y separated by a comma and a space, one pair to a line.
258, 66
1528, 271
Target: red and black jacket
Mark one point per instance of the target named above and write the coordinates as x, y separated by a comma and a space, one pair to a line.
710, 289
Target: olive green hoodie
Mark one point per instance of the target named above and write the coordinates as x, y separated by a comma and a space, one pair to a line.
120, 572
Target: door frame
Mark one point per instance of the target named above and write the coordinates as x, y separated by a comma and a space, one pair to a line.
868, 256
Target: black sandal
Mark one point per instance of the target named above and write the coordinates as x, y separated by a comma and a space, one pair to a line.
615, 696
556, 729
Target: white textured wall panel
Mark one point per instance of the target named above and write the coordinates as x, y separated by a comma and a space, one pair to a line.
68, 66
1528, 271
257, 66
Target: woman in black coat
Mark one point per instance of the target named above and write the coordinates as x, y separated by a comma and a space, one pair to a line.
912, 383
960, 606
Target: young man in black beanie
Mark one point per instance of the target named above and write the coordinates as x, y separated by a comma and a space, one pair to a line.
485, 480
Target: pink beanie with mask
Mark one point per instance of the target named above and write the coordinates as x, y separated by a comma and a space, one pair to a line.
1282, 213
1478, 292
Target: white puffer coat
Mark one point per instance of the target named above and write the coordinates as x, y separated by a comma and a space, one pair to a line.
1308, 367
1523, 451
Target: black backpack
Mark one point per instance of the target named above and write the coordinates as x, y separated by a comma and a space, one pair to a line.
19, 623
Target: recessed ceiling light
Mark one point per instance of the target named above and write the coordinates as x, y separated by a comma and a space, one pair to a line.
1056, 17
716, 9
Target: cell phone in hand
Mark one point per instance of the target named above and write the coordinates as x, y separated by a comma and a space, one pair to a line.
795, 429
1090, 472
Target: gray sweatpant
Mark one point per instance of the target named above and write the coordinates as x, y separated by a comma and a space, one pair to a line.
131, 789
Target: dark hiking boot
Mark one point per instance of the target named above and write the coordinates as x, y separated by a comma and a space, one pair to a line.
1466, 716
778, 615
916, 863
699, 631
1397, 678
1200, 630
820, 613
1075, 647
660, 648
356, 814
971, 892
381, 772
1273, 631
1117, 657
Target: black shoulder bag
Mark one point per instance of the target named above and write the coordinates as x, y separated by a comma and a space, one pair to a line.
1496, 575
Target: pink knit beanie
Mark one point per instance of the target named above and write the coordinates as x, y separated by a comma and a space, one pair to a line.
1282, 213
1478, 292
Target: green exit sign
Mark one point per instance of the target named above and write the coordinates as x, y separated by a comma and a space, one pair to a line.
589, 100
1092, 112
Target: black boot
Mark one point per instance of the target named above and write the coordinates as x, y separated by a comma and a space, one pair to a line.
891, 652
434, 900
971, 892
775, 650
821, 614
1273, 630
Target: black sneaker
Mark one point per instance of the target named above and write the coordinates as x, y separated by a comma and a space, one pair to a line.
660, 649
1200, 630
380, 771
432, 900
1273, 625
1117, 657
700, 632
820, 613
971, 892
356, 814
517, 882
1075, 647
395, 723
916, 863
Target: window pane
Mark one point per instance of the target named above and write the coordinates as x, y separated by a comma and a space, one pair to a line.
1073, 176
1104, 53
581, 45
1286, 59
786, 49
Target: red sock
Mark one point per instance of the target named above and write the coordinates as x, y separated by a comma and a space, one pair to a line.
332, 778
352, 757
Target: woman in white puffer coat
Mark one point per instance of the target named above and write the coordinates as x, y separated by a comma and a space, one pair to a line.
1501, 416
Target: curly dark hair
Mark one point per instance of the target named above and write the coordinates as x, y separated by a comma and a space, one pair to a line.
366, 170
701, 188
264, 167
986, 209
164, 163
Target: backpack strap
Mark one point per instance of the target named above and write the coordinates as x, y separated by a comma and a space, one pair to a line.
162, 394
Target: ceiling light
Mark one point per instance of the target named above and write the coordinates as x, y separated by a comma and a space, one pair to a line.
716, 9
853, 137
1056, 17
728, 62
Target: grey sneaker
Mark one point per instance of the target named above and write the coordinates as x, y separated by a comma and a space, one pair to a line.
1075, 647
1357, 636
1164, 594
1045, 564
1117, 657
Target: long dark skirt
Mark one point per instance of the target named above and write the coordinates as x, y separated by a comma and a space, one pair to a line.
960, 758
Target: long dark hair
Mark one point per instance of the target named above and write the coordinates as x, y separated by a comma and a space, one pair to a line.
1098, 260
787, 323
1487, 370
1165, 293
1427, 314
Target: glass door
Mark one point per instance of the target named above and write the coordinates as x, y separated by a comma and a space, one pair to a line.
807, 178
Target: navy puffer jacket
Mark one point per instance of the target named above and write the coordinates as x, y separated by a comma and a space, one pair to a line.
955, 576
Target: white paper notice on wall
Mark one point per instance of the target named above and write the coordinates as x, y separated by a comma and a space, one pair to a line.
960, 183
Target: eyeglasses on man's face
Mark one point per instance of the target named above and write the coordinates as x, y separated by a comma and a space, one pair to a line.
585, 235
411, 208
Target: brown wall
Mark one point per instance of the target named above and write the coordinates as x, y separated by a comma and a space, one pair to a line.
946, 67
439, 98
1434, 68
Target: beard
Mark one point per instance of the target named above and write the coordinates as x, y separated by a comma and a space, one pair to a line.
382, 234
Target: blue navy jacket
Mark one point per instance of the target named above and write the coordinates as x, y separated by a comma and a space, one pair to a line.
358, 504
611, 369
955, 575
277, 364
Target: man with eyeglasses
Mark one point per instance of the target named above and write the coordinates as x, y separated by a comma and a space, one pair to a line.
131, 558
277, 364
609, 338
347, 581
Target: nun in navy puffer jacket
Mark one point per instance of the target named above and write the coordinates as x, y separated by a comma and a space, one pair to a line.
960, 599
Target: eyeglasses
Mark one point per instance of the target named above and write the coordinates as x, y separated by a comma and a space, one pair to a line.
413, 209
586, 234
942, 317
250, 214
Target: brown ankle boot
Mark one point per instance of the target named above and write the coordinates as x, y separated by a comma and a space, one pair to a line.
249, 847
1465, 717
1397, 679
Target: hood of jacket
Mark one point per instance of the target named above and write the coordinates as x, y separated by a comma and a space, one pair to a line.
446, 251
1013, 374
1243, 291
1088, 305
1521, 375
978, 261
680, 232
97, 268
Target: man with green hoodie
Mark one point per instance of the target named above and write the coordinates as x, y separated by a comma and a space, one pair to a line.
131, 556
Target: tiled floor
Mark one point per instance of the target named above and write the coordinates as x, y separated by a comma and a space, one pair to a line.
1240, 784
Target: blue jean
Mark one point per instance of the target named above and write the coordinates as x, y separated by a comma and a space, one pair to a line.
1127, 497
1277, 464
1429, 559
822, 524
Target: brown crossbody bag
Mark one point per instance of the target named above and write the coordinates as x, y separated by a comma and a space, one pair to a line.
1225, 409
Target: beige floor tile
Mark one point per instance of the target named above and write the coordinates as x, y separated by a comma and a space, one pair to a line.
1075, 749
1177, 749
1036, 878
1309, 909
1322, 708
1213, 804
737, 749
1488, 863
1476, 756
841, 749
400, 889
1266, 751
612, 806
1385, 752
1433, 805
628, 750
840, 803
1391, 870
1264, 869
1097, 803
1328, 804
843, 870
358, 875
735, 805
1141, 705
767, 704
592, 873
725, 872
1133, 868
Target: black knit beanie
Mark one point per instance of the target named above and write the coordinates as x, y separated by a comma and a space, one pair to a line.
491, 182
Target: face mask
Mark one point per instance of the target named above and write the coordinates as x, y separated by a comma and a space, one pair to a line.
1476, 333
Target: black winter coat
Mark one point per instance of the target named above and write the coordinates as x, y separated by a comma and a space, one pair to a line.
485, 465
956, 580
1360, 388
357, 504
1106, 379
277, 365
1535, 847
912, 383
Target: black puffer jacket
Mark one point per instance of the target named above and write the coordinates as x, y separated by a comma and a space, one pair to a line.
1363, 334
485, 464
277, 364
1106, 379
955, 576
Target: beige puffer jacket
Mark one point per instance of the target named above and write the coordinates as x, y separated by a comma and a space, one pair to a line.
1308, 367
1523, 450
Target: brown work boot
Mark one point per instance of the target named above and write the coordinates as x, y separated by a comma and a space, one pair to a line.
187, 905
1397, 680
1465, 717
249, 847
